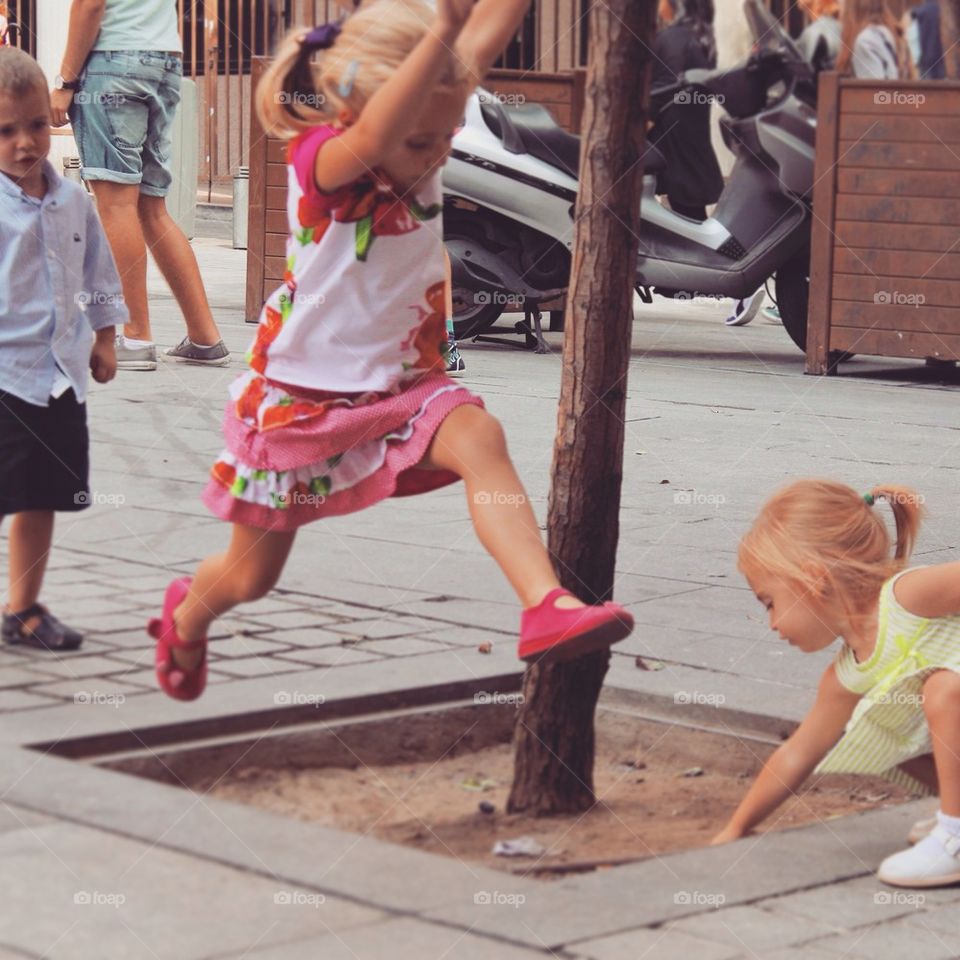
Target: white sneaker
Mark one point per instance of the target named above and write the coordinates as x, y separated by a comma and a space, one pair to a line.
745, 310
921, 829
933, 862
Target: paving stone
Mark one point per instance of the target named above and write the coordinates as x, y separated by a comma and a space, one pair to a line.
942, 917
20, 676
18, 818
257, 666
750, 929
402, 646
282, 619
101, 892
75, 666
334, 656
240, 646
846, 906
22, 700
383, 629
307, 638
397, 939
90, 692
658, 944
894, 941
481, 614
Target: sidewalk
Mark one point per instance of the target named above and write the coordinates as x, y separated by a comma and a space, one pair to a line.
397, 600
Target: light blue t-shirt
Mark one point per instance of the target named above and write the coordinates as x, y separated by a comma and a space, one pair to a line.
139, 25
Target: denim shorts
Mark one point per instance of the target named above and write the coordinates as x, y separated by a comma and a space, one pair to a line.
122, 115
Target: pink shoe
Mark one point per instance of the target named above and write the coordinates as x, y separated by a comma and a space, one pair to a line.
549, 634
175, 682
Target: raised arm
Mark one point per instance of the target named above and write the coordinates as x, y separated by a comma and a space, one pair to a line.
795, 759
392, 111
491, 26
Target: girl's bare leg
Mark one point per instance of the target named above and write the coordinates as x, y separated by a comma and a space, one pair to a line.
941, 705
247, 571
470, 442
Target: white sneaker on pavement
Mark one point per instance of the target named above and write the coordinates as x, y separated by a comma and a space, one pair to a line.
933, 862
921, 829
745, 310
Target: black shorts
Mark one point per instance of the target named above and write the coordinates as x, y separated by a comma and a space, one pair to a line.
44, 457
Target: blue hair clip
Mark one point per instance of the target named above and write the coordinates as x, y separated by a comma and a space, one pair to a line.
345, 87
322, 37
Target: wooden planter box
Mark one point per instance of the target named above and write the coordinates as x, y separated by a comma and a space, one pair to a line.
885, 255
561, 93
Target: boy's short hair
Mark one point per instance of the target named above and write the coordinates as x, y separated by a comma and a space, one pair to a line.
19, 72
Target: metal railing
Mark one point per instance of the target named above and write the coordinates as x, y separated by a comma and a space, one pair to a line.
21, 18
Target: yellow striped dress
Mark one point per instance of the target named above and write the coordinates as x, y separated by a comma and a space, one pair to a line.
888, 725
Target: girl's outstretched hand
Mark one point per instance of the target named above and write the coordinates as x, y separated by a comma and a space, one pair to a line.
454, 13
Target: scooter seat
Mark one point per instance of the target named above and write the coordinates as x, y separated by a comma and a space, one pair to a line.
533, 127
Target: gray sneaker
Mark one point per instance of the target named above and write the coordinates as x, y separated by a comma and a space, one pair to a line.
135, 358
189, 352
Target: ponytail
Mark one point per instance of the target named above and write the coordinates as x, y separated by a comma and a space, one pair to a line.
907, 507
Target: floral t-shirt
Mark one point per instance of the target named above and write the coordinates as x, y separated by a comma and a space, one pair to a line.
362, 304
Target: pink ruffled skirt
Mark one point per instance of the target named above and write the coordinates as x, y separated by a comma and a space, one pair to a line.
295, 455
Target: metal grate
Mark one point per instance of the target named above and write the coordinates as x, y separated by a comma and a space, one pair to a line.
21, 17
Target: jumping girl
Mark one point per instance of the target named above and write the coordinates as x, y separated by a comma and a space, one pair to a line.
347, 401
818, 558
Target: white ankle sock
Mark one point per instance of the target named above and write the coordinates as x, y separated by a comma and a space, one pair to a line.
950, 824
136, 344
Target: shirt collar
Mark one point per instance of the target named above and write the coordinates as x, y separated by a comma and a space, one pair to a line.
54, 185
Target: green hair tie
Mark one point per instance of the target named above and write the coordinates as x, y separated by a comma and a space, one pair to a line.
869, 499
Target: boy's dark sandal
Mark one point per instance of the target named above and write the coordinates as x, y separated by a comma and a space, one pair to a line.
48, 634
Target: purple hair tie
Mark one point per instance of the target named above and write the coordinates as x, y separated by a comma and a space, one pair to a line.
322, 37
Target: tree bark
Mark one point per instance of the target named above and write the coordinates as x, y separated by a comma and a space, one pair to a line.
950, 37
554, 737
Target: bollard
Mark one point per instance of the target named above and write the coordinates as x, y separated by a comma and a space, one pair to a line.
241, 198
71, 169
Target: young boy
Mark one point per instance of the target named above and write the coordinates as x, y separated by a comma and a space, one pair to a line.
58, 284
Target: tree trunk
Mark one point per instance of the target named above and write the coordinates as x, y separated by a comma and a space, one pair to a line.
950, 37
554, 738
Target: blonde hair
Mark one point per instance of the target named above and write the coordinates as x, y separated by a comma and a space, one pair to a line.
301, 89
829, 524
857, 14
19, 73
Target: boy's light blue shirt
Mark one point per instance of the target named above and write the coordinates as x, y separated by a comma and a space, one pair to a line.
139, 25
58, 283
